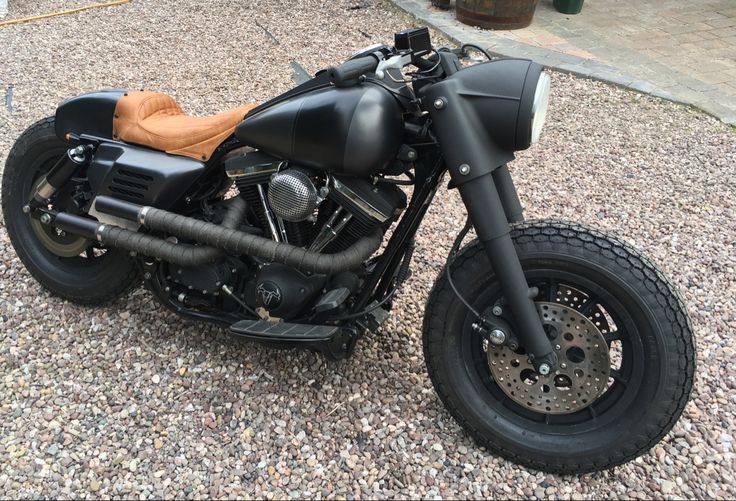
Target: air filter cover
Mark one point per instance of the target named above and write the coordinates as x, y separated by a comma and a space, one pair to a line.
292, 195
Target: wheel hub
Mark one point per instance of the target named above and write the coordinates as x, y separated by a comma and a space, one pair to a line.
583, 371
58, 242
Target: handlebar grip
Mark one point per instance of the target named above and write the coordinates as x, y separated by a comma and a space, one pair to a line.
347, 73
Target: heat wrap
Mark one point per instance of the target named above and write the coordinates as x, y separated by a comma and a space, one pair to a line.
226, 237
177, 253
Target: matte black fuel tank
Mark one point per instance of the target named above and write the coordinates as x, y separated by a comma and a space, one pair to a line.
355, 130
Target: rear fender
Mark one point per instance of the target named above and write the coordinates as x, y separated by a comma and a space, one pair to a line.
90, 114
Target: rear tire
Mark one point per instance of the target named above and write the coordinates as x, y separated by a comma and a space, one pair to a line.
100, 277
647, 392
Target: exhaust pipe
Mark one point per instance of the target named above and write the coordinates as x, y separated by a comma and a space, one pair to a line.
147, 245
220, 237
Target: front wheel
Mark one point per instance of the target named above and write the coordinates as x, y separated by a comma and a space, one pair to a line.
626, 350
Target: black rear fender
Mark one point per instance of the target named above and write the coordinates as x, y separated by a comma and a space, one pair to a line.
90, 114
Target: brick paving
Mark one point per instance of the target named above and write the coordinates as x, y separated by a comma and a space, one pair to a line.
679, 50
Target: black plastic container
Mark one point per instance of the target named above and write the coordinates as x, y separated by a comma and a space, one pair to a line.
569, 6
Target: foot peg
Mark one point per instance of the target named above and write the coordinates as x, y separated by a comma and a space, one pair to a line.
334, 342
284, 332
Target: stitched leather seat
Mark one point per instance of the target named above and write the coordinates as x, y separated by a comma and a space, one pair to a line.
155, 120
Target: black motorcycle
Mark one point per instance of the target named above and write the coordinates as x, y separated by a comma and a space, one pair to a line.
552, 344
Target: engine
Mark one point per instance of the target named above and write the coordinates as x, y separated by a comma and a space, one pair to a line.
307, 208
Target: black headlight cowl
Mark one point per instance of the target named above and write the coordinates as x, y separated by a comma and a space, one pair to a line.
484, 113
498, 96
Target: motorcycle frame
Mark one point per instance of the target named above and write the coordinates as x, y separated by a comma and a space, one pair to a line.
428, 177
492, 204
426, 186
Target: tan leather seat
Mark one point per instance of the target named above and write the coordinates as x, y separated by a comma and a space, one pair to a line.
155, 120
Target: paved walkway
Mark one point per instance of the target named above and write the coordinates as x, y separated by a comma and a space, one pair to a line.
682, 51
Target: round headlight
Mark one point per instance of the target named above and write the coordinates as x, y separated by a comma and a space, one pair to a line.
540, 105
507, 98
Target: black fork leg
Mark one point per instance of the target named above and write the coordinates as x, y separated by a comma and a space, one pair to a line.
507, 193
486, 211
473, 160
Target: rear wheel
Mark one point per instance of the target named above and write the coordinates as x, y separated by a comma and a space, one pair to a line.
68, 266
626, 350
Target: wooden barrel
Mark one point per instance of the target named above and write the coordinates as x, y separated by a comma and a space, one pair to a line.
496, 14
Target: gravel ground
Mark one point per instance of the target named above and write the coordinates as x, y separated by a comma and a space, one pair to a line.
131, 401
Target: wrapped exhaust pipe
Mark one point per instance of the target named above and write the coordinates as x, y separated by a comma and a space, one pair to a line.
147, 245
231, 240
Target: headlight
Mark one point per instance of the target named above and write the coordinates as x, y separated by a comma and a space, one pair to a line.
506, 98
539, 108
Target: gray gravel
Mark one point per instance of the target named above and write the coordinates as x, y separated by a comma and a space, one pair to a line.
131, 401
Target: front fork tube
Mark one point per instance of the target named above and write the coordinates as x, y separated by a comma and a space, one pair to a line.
507, 194
491, 222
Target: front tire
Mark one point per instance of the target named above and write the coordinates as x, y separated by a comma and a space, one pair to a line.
641, 318
95, 276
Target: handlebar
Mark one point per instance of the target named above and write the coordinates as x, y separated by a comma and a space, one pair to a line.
347, 73
412, 47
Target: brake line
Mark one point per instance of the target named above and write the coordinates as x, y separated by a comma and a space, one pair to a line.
451, 259
63, 12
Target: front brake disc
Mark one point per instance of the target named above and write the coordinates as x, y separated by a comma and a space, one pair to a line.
582, 375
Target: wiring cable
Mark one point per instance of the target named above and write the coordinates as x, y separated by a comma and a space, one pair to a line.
476, 47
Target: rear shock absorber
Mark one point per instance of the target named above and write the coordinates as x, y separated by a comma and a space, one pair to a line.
59, 174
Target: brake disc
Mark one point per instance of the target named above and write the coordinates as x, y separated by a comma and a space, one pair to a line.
582, 375
572, 297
